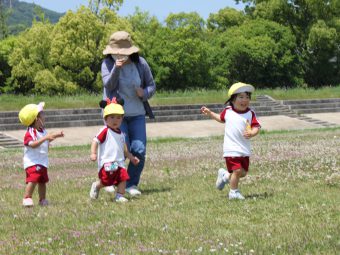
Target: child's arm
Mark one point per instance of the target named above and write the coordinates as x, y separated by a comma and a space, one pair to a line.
129, 155
49, 137
251, 132
94, 148
211, 114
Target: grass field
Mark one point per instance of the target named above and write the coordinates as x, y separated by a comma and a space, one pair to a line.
15, 102
292, 201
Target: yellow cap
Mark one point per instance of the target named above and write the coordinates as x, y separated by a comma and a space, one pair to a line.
240, 87
113, 109
29, 113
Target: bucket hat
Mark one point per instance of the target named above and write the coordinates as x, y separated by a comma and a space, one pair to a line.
29, 113
240, 87
113, 109
120, 43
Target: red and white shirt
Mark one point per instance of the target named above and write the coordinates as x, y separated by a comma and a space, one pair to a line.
235, 145
111, 147
38, 155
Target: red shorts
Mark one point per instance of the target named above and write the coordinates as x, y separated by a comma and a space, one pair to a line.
234, 163
36, 174
109, 178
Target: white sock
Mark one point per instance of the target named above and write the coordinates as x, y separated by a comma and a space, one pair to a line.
233, 190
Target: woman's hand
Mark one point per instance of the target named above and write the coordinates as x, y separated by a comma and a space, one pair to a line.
120, 62
140, 92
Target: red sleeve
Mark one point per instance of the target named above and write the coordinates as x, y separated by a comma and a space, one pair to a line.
254, 120
102, 135
222, 115
29, 136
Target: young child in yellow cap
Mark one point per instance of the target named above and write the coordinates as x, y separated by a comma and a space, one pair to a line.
36, 142
110, 145
241, 124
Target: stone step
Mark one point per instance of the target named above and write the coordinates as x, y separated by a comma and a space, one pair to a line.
311, 101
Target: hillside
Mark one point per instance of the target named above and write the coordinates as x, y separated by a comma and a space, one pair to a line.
21, 14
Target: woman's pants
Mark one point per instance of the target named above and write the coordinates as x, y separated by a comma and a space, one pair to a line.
135, 138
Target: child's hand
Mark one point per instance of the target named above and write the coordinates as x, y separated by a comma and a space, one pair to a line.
205, 110
58, 134
93, 156
134, 160
248, 134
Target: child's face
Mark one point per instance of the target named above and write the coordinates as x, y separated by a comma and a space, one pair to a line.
114, 121
39, 121
241, 102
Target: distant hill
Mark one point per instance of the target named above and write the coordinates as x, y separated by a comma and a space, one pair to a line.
21, 14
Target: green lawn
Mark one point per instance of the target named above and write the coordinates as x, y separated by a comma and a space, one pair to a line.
292, 204
14, 103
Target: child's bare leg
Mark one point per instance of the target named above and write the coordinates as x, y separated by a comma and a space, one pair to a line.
42, 191
29, 189
121, 188
120, 192
100, 185
235, 178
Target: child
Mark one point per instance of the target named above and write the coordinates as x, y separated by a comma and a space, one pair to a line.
112, 152
241, 124
36, 144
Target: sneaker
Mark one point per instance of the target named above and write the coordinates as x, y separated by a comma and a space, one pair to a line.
94, 192
133, 191
222, 178
27, 202
235, 195
121, 199
110, 189
43, 202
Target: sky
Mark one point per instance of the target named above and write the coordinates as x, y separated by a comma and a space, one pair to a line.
159, 8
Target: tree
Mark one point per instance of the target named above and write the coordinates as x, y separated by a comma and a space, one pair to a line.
304, 18
224, 19
179, 52
76, 50
29, 56
96, 5
3, 21
258, 52
6, 47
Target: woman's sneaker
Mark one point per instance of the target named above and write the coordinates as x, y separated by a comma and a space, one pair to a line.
133, 191
222, 178
27, 202
94, 192
43, 202
235, 195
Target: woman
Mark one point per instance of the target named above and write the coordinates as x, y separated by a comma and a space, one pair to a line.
128, 76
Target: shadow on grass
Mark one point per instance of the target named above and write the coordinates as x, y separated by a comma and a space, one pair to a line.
259, 195
156, 190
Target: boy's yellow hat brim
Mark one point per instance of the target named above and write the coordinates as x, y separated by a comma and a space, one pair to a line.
29, 113
240, 87
113, 109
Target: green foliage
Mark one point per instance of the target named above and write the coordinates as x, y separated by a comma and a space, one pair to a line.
272, 43
29, 56
260, 52
6, 48
224, 19
322, 46
76, 48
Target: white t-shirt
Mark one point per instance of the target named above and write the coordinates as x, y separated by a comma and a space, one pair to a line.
111, 147
38, 155
235, 145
